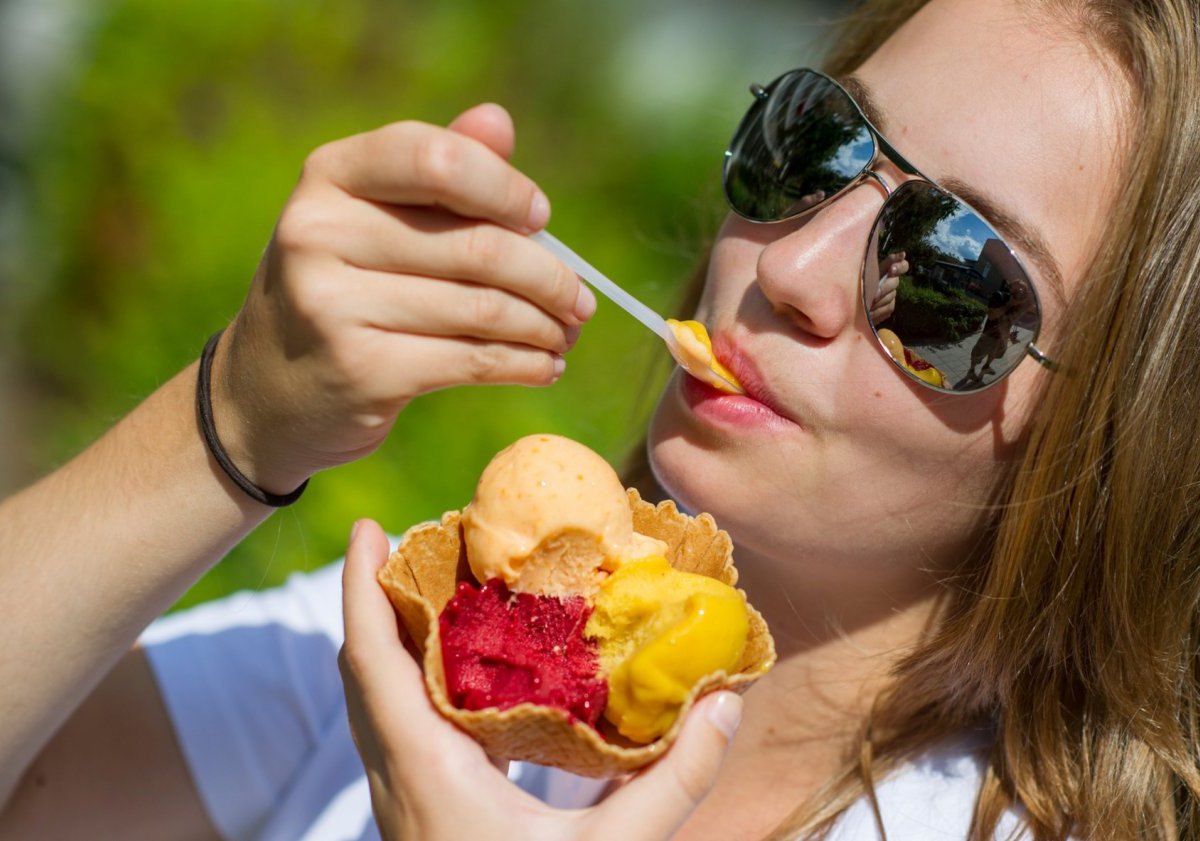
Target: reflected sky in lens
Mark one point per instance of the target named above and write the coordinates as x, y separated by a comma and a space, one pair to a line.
962, 234
853, 157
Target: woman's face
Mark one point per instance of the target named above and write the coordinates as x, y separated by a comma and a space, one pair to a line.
844, 469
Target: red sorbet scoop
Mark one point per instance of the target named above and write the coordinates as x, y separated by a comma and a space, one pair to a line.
500, 649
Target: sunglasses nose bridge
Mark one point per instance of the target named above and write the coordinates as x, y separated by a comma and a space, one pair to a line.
872, 174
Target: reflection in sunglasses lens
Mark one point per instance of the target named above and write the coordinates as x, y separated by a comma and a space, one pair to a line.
799, 146
946, 296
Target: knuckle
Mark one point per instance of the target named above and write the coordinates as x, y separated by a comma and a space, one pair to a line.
319, 162
545, 369
689, 788
564, 288
347, 366
349, 663
313, 299
436, 159
553, 336
483, 248
483, 363
520, 196
486, 308
304, 226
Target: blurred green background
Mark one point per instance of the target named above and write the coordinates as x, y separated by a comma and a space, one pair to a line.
146, 148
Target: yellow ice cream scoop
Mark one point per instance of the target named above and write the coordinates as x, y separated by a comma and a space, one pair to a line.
696, 345
660, 631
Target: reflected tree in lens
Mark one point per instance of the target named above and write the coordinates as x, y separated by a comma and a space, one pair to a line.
804, 144
937, 301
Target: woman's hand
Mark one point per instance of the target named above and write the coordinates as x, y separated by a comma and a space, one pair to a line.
431, 782
400, 265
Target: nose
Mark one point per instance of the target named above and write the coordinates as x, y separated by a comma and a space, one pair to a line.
812, 274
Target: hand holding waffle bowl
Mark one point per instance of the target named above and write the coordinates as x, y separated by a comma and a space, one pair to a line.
558, 619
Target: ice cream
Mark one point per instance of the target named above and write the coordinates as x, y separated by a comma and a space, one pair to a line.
495, 645
550, 517
573, 638
696, 346
661, 630
911, 361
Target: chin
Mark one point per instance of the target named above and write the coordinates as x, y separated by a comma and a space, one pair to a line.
701, 475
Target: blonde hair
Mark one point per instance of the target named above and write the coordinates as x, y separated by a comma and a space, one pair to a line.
1075, 636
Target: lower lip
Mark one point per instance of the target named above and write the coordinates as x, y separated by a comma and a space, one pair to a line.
733, 410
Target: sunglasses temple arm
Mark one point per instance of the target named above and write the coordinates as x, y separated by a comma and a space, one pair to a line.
1041, 358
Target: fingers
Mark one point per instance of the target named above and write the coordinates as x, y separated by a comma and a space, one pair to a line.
420, 305
367, 614
379, 674
434, 243
885, 294
412, 163
657, 802
431, 363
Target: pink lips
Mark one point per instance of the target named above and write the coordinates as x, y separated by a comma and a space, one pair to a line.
758, 408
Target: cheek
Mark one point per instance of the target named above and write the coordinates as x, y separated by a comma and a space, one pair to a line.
896, 485
732, 266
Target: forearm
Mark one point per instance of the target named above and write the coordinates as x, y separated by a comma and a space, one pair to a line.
95, 551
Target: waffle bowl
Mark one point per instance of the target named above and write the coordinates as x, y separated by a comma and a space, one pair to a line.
421, 576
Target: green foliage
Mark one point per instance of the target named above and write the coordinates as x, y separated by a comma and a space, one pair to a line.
927, 314
158, 179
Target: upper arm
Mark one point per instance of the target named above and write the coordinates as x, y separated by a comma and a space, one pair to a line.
114, 770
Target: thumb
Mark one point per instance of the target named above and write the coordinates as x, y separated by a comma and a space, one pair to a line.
655, 803
490, 124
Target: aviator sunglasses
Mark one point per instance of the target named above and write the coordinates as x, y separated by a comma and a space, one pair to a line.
946, 297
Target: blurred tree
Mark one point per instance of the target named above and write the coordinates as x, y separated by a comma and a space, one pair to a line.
157, 170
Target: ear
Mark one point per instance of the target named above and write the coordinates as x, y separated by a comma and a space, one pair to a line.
490, 124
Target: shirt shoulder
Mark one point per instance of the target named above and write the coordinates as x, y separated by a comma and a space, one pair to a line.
929, 798
252, 688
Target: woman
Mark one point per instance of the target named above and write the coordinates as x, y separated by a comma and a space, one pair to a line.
983, 601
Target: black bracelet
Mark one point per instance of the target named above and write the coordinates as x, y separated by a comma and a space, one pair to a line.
204, 408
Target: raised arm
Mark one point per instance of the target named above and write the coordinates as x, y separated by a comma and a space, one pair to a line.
399, 266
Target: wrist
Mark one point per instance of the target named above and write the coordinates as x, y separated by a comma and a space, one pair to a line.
252, 462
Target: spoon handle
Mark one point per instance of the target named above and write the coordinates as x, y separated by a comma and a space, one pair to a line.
605, 286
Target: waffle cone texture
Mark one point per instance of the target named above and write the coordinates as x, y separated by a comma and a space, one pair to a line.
421, 576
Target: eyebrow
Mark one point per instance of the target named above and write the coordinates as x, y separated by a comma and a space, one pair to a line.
1010, 226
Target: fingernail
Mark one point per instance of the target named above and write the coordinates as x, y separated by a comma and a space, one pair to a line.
572, 333
354, 530
539, 211
560, 365
726, 713
585, 303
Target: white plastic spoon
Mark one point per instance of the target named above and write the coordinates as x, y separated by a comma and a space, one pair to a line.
691, 362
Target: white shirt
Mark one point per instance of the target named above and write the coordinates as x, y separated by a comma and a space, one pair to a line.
252, 687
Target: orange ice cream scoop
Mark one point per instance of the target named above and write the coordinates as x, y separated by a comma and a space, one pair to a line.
550, 517
697, 347
660, 631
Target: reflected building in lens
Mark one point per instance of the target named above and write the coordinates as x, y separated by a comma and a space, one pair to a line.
981, 277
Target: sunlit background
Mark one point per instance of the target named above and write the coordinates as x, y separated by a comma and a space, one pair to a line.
146, 148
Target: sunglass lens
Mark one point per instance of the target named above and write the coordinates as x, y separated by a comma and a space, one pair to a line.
948, 299
801, 142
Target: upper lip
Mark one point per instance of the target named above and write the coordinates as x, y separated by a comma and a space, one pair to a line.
743, 366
